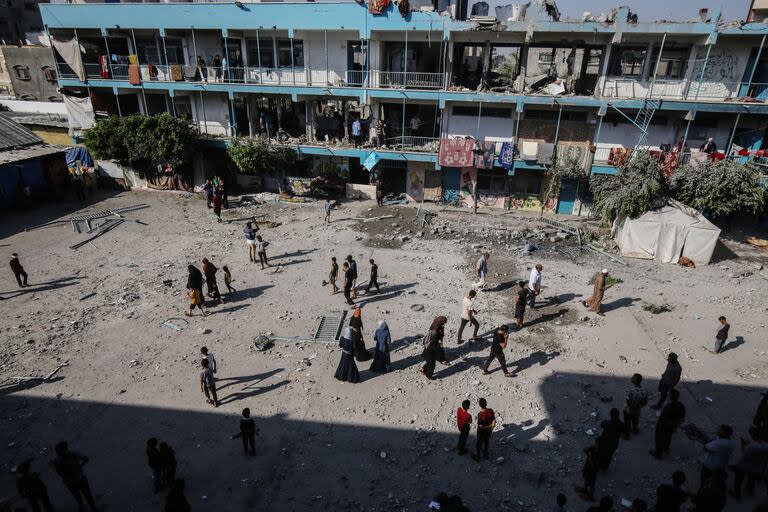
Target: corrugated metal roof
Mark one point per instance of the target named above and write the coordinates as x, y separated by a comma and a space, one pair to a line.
13, 135
25, 153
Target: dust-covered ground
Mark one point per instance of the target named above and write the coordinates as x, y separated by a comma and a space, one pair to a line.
387, 443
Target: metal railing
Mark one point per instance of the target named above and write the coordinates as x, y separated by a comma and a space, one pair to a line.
682, 89
414, 143
408, 79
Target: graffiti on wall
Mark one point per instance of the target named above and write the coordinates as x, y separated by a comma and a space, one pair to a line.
722, 65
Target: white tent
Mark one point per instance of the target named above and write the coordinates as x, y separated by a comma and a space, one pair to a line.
668, 233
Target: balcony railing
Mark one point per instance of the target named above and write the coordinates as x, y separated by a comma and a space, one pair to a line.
682, 89
412, 143
408, 80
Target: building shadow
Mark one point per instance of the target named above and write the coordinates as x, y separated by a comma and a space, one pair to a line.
305, 463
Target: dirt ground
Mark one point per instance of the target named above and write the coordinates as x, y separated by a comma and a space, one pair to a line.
387, 443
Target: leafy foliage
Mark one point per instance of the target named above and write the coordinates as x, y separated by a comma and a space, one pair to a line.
656, 308
567, 166
140, 140
720, 187
260, 156
609, 280
638, 187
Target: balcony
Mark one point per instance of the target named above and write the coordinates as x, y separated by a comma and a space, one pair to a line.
683, 90
267, 76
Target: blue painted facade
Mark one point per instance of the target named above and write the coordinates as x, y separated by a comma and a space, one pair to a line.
714, 88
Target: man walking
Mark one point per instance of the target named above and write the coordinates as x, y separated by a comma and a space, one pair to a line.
520, 299
636, 399
207, 356
208, 384
670, 419
468, 316
374, 280
534, 284
595, 303
722, 334
482, 270
352, 274
669, 379
69, 465
500, 339
486, 422
261, 248
464, 423
717, 454
18, 270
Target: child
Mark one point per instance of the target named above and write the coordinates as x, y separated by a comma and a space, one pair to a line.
590, 470
195, 301
153, 459
228, 280
261, 248
486, 422
209, 357
328, 208
333, 275
208, 384
722, 334
374, 280
561, 501
464, 423
217, 206
247, 432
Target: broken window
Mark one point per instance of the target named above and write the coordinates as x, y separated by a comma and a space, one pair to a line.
261, 52
284, 53
527, 182
468, 59
492, 182
627, 61
505, 62
673, 63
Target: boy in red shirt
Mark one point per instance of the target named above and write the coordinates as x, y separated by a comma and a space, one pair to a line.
464, 422
486, 422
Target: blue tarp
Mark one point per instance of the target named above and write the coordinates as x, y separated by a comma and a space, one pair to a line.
15, 177
79, 153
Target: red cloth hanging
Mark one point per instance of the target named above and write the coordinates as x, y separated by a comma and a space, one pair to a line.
134, 74
104, 66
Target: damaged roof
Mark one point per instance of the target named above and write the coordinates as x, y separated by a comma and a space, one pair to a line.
13, 135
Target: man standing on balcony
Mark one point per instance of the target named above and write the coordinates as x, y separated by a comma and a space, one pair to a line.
380, 133
415, 124
357, 132
709, 147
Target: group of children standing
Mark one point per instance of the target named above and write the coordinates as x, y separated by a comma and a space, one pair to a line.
216, 195
349, 267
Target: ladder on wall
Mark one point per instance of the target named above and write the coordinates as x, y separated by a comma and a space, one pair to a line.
642, 120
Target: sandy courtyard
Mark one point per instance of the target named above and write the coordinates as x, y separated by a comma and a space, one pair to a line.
387, 443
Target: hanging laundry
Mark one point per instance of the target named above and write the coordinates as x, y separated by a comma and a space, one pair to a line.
134, 74
484, 155
103, 66
507, 155
69, 49
618, 156
378, 6
529, 150
544, 153
191, 73
152, 69
177, 72
456, 152
133, 59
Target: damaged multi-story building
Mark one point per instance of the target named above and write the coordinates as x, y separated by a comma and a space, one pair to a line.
454, 99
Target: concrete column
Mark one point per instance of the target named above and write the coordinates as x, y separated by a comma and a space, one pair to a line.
519, 84
605, 59
647, 62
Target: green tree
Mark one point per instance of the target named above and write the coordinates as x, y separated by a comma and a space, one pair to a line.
564, 167
260, 156
141, 141
638, 187
721, 188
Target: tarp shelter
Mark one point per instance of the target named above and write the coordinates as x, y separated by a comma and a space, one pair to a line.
79, 153
667, 234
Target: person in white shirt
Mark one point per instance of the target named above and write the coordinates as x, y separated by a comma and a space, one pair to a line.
534, 284
468, 315
482, 270
209, 357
